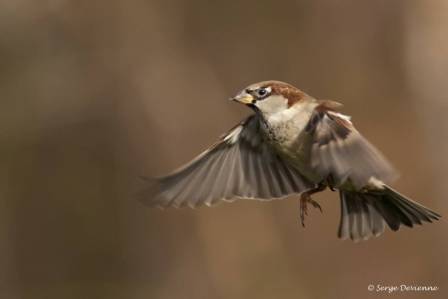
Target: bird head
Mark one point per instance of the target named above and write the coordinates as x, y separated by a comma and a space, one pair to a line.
270, 97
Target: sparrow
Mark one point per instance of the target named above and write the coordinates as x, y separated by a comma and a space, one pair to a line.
293, 144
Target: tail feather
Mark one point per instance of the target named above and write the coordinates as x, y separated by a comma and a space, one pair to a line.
365, 214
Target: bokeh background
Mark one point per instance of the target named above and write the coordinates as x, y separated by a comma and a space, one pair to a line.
95, 93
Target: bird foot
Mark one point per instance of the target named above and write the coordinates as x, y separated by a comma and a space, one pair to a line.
304, 200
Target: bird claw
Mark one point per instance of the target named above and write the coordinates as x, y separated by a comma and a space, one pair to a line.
303, 212
304, 200
315, 204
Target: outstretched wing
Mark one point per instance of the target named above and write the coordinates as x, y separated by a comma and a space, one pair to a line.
239, 165
341, 153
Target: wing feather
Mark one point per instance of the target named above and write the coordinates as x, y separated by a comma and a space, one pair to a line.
240, 165
339, 151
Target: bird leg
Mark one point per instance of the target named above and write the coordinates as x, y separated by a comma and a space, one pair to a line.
305, 198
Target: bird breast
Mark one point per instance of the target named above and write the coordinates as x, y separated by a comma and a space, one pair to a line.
284, 127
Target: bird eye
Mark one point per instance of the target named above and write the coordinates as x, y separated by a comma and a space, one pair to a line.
261, 92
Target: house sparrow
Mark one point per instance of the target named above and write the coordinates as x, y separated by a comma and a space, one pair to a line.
293, 144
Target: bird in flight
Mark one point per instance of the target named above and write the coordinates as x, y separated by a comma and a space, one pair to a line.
293, 144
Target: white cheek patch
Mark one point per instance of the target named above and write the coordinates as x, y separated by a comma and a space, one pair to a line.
272, 104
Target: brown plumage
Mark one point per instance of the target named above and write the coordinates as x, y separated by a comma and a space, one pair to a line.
293, 145
288, 91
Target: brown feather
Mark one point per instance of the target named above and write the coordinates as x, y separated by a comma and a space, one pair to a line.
291, 93
325, 105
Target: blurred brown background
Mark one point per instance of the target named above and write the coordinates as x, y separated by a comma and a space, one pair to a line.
95, 93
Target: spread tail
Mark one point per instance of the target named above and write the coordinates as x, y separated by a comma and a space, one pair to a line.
364, 214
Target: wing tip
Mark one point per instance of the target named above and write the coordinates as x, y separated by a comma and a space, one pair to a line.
149, 194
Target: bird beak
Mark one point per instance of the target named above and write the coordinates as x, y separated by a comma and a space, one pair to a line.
244, 98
